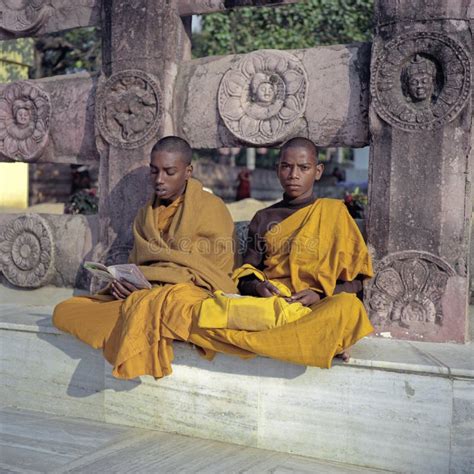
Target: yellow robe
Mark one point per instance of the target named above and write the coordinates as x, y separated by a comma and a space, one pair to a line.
186, 255
312, 248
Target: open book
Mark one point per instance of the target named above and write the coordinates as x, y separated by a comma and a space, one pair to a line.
128, 271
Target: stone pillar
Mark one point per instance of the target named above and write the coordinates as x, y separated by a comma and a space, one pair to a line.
419, 176
143, 43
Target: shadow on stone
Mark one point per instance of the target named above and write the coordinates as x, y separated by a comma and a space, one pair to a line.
88, 376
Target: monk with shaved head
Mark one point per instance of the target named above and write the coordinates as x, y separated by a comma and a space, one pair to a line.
183, 246
307, 251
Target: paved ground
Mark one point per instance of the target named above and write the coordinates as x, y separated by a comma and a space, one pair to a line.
32, 442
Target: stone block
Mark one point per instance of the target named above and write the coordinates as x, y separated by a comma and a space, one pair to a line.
45, 372
330, 104
53, 248
419, 171
462, 433
375, 418
66, 128
42, 18
216, 400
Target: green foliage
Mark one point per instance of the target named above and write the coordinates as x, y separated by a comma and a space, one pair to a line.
16, 58
302, 25
84, 201
67, 52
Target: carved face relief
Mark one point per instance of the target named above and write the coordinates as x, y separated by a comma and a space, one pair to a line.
265, 93
23, 16
420, 78
25, 112
128, 110
23, 116
408, 289
27, 251
263, 89
263, 97
420, 81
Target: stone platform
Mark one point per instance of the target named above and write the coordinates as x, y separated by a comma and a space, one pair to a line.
400, 406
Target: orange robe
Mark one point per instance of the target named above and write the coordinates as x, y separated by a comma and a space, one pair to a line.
313, 248
186, 255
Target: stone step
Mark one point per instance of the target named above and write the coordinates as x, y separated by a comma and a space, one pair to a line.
398, 405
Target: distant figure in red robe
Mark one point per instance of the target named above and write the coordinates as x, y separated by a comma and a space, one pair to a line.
243, 187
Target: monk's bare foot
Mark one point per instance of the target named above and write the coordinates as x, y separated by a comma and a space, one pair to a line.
345, 356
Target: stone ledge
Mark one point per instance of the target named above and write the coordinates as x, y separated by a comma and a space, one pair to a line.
443, 360
392, 394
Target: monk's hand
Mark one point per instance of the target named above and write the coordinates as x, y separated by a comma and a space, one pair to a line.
266, 289
122, 289
305, 297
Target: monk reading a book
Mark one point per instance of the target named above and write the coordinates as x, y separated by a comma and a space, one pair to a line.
183, 246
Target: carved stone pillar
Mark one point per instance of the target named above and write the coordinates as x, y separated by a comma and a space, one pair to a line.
419, 176
143, 42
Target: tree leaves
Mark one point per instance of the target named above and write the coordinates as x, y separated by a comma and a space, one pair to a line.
302, 25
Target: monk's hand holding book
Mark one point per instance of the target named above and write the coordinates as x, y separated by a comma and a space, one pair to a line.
123, 279
306, 297
120, 290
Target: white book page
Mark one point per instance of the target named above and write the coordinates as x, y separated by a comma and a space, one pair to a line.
98, 270
131, 273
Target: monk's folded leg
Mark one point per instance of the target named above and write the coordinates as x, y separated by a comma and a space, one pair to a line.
335, 324
141, 341
90, 319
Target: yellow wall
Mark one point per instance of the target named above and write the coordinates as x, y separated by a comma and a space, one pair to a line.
13, 185
15, 58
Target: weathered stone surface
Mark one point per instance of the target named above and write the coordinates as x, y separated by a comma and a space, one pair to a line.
388, 11
327, 88
143, 44
38, 17
397, 95
25, 112
60, 114
36, 250
419, 176
262, 98
27, 251
129, 108
416, 295
417, 396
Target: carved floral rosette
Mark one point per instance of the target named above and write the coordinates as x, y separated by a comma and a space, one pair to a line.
25, 112
27, 251
438, 55
408, 288
23, 16
129, 108
263, 97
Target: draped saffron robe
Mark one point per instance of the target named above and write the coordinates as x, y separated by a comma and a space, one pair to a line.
314, 248
186, 251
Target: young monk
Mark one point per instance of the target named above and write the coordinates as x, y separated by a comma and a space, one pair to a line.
183, 245
311, 248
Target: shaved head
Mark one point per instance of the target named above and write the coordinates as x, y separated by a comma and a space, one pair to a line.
301, 142
174, 145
